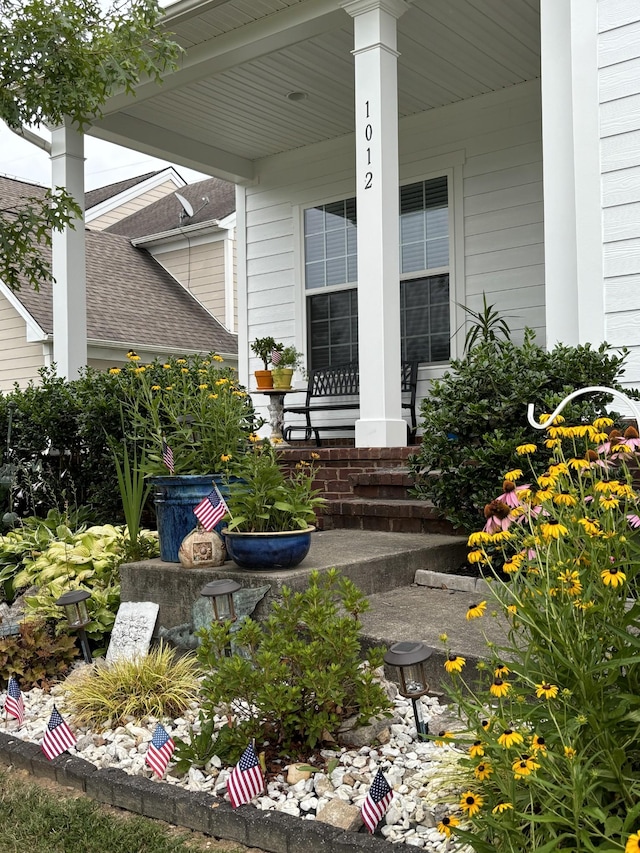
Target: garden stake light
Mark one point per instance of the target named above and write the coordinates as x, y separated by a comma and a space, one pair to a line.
410, 659
75, 605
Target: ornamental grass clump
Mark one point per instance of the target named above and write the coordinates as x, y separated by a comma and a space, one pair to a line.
159, 684
552, 739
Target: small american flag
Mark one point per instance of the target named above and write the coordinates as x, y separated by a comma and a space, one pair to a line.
246, 780
211, 509
160, 751
167, 457
276, 357
376, 802
14, 703
58, 736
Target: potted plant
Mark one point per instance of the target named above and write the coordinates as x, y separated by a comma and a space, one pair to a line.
190, 417
263, 348
282, 372
270, 513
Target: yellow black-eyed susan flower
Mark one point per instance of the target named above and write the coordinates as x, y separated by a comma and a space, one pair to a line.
471, 803
482, 771
553, 529
513, 475
564, 499
486, 724
114, 371
222, 381
613, 576
167, 366
181, 360
592, 528
156, 388
132, 355
509, 738
203, 386
633, 843
184, 370
525, 449
168, 388
499, 688
225, 457
476, 750
501, 670
443, 737
603, 423
475, 556
218, 358
476, 610
447, 823
512, 608
454, 663
609, 502
501, 807
524, 766
212, 396
538, 743
546, 690
569, 752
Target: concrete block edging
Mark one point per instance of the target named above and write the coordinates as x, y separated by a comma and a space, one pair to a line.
271, 831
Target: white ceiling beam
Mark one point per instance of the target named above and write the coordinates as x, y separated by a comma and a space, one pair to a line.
167, 144
259, 38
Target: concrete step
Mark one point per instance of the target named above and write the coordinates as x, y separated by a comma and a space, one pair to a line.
386, 483
392, 515
423, 613
375, 561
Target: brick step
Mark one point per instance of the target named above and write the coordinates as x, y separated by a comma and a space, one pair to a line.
387, 483
393, 515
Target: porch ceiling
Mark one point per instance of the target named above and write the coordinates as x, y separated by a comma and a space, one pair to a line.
227, 105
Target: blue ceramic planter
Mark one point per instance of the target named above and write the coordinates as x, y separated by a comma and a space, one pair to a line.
175, 498
267, 551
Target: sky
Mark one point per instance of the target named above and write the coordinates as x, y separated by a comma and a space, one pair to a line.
105, 163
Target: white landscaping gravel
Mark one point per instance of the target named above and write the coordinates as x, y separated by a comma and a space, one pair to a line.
423, 775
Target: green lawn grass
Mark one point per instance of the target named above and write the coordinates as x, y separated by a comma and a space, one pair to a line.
55, 821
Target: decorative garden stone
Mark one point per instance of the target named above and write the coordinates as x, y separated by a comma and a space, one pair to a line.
202, 549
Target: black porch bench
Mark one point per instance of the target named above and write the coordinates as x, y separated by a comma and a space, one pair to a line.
327, 383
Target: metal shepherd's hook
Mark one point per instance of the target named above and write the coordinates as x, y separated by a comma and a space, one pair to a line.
593, 388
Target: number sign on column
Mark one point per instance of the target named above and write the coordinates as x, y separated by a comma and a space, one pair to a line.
368, 135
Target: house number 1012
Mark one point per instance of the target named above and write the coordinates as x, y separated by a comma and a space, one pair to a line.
368, 135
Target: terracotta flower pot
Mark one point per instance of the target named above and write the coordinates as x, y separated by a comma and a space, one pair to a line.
264, 379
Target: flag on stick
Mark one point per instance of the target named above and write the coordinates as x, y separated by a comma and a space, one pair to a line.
211, 509
160, 751
14, 703
58, 736
276, 357
377, 801
167, 457
246, 780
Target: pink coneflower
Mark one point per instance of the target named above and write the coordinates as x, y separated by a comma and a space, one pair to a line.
511, 494
497, 515
634, 520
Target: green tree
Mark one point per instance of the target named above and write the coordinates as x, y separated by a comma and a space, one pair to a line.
62, 59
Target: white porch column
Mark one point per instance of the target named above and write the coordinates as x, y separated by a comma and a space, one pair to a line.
69, 260
574, 292
377, 198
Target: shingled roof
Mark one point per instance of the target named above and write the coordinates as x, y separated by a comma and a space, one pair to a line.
130, 297
97, 196
164, 215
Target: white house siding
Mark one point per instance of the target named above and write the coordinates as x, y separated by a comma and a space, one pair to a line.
619, 82
200, 270
133, 206
20, 360
492, 147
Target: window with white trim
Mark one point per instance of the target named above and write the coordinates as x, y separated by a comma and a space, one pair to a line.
330, 257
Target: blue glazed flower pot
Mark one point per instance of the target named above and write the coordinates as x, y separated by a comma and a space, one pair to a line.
266, 551
175, 498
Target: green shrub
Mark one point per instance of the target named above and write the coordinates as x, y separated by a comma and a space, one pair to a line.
553, 740
159, 684
36, 656
476, 415
297, 676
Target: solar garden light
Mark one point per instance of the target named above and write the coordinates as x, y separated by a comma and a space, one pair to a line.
75, 606
410, 659
220, 594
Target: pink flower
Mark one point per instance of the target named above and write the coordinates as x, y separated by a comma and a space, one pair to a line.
634, 521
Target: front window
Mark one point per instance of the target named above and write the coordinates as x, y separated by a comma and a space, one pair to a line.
331, 270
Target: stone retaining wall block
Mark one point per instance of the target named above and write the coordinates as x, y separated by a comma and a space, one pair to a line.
99, 785
363, 842
193, 809
311, 835
73, 772
271, 831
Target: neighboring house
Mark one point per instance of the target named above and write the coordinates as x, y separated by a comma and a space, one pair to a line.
132, 301
195, 243
396, 160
